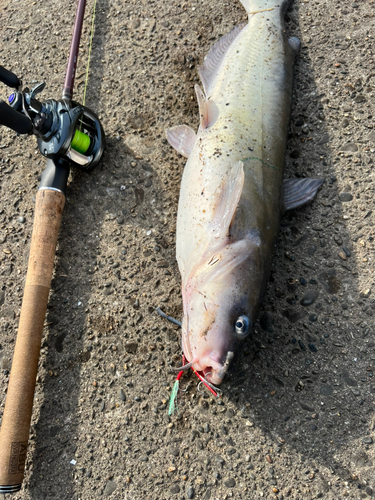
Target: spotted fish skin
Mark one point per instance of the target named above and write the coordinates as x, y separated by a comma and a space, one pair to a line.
231, 190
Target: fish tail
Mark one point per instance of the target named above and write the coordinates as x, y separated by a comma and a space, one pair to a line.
254, 6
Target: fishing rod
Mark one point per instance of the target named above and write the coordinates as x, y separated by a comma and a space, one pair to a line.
68, 134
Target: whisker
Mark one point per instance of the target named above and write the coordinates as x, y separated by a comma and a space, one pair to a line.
183, 367
169, 318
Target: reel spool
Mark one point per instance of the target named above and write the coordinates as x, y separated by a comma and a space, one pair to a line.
75, 134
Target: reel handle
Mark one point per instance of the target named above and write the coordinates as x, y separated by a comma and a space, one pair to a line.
15, 426
9, 78
14, 120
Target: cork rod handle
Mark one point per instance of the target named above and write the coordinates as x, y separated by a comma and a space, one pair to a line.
15, 425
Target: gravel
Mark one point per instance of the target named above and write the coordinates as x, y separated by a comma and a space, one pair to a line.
103, 379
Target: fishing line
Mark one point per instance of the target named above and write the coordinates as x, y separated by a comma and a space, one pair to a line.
88, 60
255, 158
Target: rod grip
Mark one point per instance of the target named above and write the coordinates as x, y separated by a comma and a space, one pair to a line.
14, 432
13, 119
9, 78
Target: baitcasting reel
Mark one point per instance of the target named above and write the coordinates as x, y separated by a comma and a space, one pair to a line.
64, 128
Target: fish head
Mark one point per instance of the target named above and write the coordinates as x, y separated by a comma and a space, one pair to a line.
221, 300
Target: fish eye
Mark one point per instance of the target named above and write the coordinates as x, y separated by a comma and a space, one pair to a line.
242, 326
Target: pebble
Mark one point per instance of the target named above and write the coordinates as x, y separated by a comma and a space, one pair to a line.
367, 440
326, 390
309, 298
302, 345
134, 25
294, 154
190, 492
109, 488
313, 317
338, 240
345, 122
303, 281
345, 197
312, 347
365, 293
175, 489
121, 393
349, 147
342, 255
22, 220
230, 482
306, 407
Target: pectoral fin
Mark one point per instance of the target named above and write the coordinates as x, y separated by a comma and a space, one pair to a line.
182, 139
298, 192
228, 197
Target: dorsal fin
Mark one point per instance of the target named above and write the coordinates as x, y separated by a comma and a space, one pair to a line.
208, 110
214, 58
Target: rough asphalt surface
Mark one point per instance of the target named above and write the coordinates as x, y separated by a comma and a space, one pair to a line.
296, 419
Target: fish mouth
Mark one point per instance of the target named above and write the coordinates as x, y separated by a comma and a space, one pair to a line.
213, 371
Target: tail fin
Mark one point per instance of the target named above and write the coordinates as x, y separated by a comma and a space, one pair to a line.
253, 6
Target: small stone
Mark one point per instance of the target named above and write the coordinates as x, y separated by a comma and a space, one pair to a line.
345, 123
367, 440
230, 482
338, 240
349, 147
109, 488
190, 492
345, 197
326, 390
309, 298
22, 220
303, 281
302, 345
342, 256
347, 251
102, 406
134, 25
143, 458
312, 347
306, 407
294, 154
313, 317
121, 393
365, 293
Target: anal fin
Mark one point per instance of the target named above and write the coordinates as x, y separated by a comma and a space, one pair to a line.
298, 192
